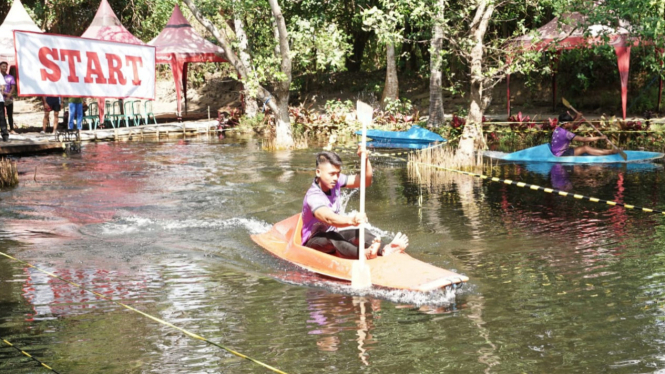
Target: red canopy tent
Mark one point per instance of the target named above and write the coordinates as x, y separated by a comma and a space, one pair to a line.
557, 36
106, 26
178, 45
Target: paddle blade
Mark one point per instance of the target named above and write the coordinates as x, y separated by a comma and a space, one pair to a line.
566, 103
623, 155
364, 112
360, 276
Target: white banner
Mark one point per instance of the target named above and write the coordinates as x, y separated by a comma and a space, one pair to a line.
67, 66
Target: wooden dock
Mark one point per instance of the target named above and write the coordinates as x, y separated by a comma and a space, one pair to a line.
29, 143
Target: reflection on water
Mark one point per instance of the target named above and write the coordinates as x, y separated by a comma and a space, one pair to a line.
557, 284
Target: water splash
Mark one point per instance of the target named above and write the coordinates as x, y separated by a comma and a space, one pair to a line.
345, 197
131, 224
436, 298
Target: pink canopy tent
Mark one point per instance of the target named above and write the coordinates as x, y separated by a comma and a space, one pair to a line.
106, 26
557, 36
178, 45
17, 19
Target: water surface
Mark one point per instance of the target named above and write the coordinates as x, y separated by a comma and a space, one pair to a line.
557, 284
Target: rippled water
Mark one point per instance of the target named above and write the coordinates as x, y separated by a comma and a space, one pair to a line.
557, 284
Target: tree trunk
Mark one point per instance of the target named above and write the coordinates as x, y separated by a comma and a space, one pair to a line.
391, 88
436, 117
275, 34
251, 106
284, 139
472, 136
354, 61
283, 136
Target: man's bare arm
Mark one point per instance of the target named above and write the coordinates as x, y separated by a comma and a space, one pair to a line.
326, 215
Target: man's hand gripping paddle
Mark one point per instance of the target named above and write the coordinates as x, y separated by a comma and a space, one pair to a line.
360, 273
621, 153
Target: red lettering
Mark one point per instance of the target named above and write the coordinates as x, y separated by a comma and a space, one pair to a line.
94, 67
115, 63
73, 57
55, 73
134, 60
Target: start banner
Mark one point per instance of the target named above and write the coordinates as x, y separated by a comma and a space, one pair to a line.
55, 65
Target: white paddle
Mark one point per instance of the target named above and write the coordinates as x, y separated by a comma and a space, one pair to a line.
360, 274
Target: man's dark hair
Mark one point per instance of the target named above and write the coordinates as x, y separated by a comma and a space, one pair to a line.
327, 157
565, 117
4, 62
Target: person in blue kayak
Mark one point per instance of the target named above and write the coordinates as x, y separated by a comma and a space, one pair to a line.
321, 213
562, 137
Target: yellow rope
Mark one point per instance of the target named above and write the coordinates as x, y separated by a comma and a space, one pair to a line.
191, 334
29, 355
544, 189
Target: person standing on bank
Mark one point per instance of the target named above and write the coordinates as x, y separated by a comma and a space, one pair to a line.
76, 110
8, 94
3, 123
51, 104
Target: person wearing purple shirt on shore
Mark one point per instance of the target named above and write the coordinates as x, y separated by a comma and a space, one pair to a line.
562, 137
321, 213
8, 94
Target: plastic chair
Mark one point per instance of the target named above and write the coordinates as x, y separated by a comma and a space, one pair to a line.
138, 116
129, 112
92, 117
109, 117
148, 112
119, 116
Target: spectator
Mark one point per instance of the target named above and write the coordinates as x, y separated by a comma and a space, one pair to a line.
51, 104
8, 94
3, 123
76, 110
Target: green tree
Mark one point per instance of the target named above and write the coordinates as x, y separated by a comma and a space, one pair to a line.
277, 98
388, 23
477, 33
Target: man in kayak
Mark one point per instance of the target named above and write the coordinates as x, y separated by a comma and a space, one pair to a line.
321, 216
562, 137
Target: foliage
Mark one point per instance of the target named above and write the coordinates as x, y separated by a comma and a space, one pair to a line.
396, 120
551, 124
632, 126
229, 119
521, 122
400, 106
317, 45
338, 111
258, 124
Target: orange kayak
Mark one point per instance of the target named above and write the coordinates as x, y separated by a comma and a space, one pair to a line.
397, 271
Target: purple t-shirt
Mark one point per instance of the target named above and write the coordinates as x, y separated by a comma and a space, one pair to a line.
561, 139
315, 198
9, 82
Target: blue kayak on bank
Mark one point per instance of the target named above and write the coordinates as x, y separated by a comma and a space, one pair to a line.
415, 138
542, 153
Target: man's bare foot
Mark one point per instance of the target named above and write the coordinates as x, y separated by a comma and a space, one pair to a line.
398, 245
373, 250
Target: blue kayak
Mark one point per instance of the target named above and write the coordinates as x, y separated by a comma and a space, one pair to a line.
542, 153
399, 145
416, 135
